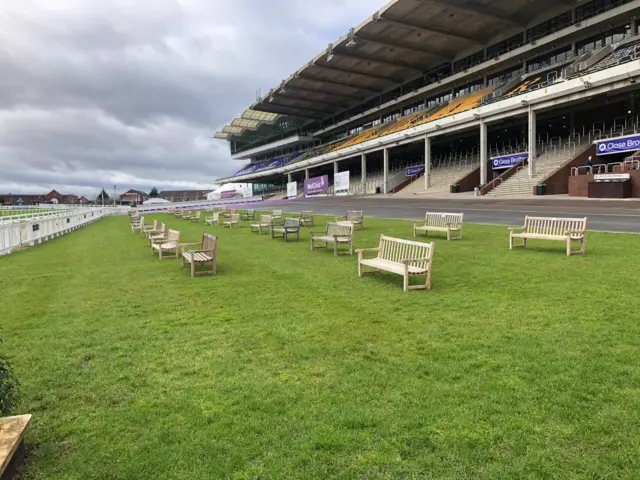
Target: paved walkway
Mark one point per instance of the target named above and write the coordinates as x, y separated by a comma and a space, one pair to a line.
604, 215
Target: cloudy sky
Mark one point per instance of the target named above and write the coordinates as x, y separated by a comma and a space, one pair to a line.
101, 92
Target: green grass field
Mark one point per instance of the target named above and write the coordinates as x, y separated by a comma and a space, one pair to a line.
518, 364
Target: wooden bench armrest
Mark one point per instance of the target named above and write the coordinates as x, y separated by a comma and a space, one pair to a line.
367, 250
317, 233
512, 229
575, 232
185, 246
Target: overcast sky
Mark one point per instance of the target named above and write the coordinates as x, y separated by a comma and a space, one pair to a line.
101, 92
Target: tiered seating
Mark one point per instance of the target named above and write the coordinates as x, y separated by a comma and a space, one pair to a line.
458, 105
620, 55
524, 87
404, 122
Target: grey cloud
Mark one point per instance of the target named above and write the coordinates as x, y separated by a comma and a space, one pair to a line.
97, 93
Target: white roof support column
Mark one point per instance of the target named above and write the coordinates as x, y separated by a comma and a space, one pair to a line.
306, 174
427, 162
289, 178
363, 161
483, 153
335, 167
532, 141
385, 165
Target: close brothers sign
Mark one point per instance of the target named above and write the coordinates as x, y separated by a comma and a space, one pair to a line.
316, 185
508, 161
618, 145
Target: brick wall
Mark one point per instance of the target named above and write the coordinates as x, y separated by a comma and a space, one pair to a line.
578, 185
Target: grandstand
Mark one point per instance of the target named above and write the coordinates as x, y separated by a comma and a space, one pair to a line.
451, 86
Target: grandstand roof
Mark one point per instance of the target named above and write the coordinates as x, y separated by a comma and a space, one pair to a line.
398, 43
249, 120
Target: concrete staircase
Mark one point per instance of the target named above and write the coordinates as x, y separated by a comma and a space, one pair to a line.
520, 184
441, 181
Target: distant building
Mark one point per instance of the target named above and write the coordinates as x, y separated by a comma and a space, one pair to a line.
33, 199
183, 195
133, 197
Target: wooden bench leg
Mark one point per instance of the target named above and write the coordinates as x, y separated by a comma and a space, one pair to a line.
406, 277
193, 267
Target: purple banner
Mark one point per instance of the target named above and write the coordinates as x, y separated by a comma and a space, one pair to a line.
314, 186
229, 194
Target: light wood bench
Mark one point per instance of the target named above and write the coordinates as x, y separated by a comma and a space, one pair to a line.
204, 254
195, 218
276, 217
150, 229
171, 244
291, 227
249, 214
265, 222
336, 233
440, 222
354, 216
12, 431
307, 218
403, 257
137, 225
214, 219
157, 234
234, 221
186, 215
566, 230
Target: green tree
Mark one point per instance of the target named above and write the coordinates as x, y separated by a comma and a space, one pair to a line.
103, 195
153, 193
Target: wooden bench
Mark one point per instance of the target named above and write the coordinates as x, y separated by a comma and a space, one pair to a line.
234, 221
156, 232
403, 257
356, 217
171, 244
291, 227
566, 230
307, 218
186, 215
336, 233
150, 228
276, 217
265, 222
137, 225
204, 254
12, 431
440, 222
249, 214
159, 238
195, 218
214, 219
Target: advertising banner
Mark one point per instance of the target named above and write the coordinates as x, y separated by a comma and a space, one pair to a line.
411, 171
247, 191
341, 181
316, 185
610, 146
508, 161
292, 189
228, 195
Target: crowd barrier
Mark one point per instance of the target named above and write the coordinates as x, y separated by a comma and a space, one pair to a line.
21, 233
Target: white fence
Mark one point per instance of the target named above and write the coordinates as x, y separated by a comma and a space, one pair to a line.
20, 233
196, 205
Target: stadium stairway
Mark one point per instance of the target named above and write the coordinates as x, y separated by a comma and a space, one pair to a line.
441, 181
520, 184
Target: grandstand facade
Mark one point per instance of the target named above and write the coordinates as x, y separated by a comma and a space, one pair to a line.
449, 95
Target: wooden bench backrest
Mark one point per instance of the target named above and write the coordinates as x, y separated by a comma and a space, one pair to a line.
215, 216
441, 220
554, 226
155, 224
291, 222
163, 228
197, 215
174, 236
235, 218
265, 219
209, 242
338, 229
396, 250
352, 215
306, 214
251, 211
277, 213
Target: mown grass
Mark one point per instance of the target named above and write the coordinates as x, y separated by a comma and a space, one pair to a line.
517, 364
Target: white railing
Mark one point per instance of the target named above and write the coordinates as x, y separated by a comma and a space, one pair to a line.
196, 204
17, 234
